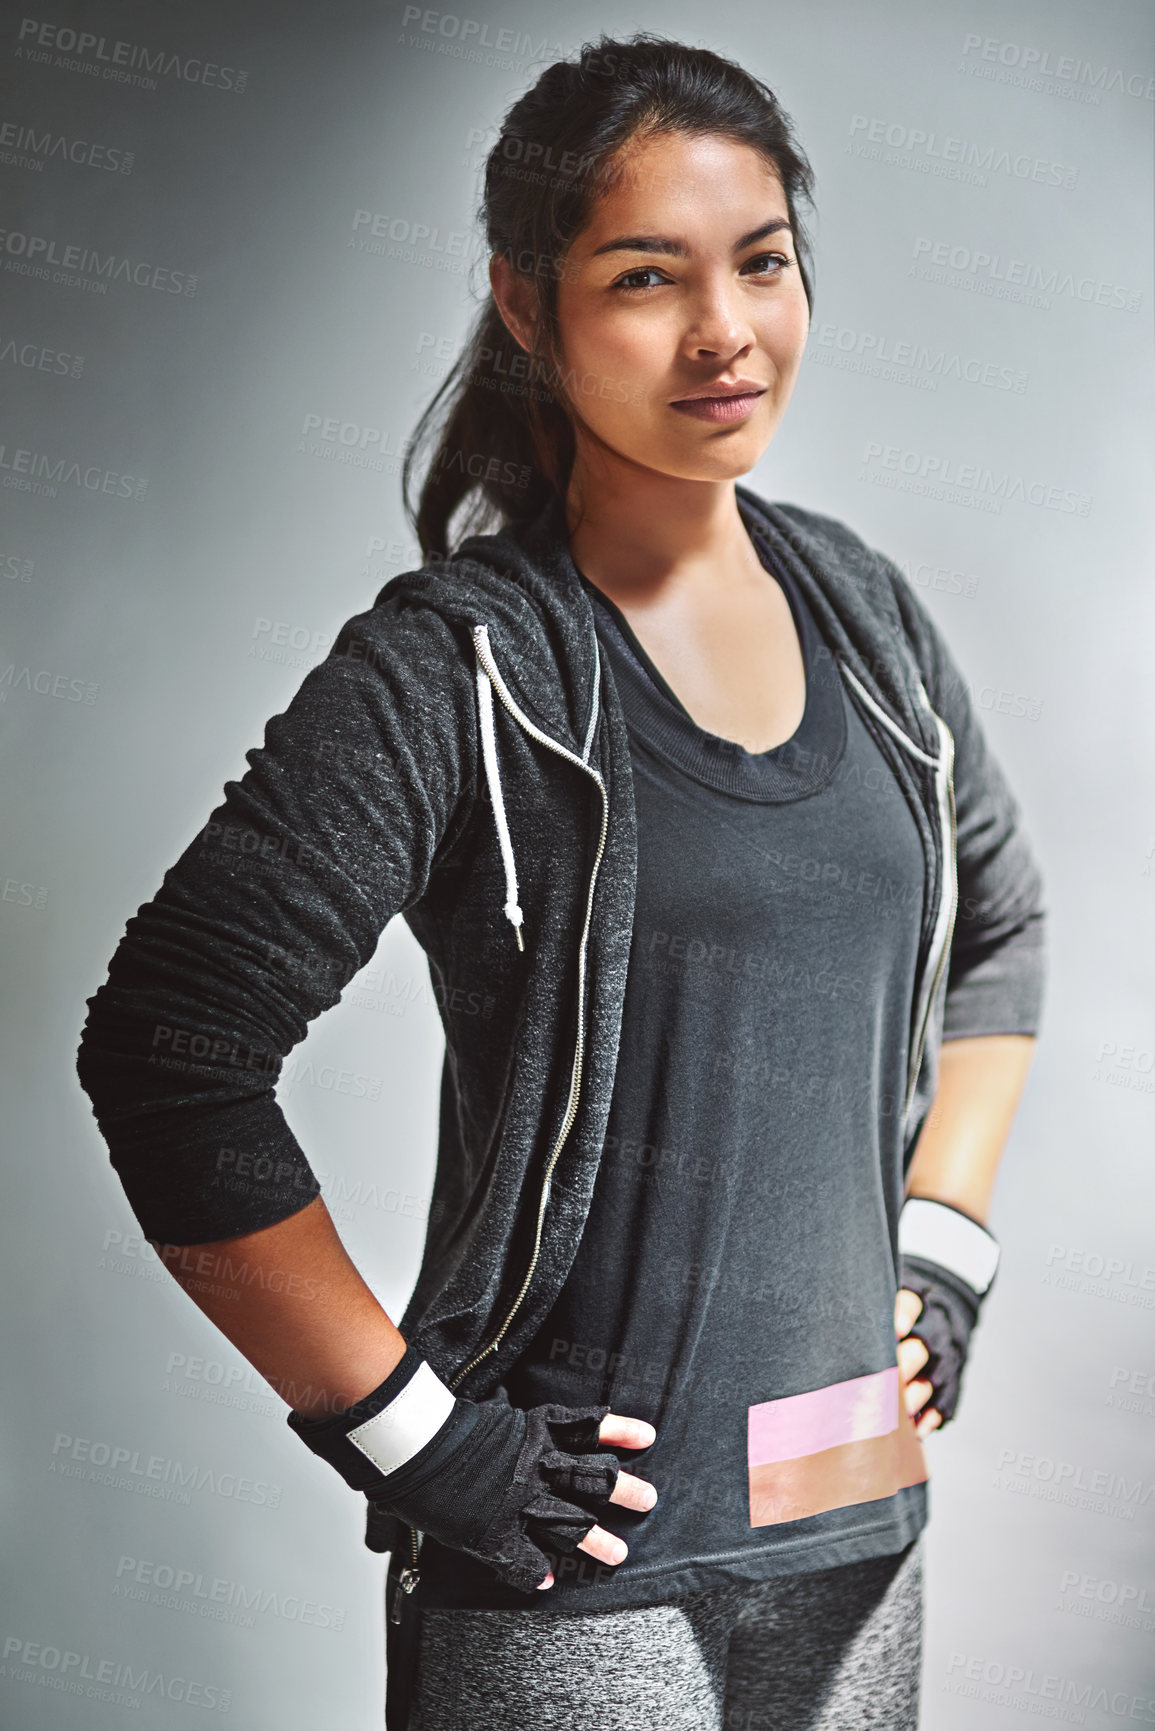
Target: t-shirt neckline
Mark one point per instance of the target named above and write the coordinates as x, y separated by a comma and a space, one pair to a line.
794, 769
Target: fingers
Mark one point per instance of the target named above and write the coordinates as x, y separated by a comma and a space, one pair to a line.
930, 1420
907, 1305
606, 1547
634, 1493
912, 1355
917, 1395
629, 1491
630, 1433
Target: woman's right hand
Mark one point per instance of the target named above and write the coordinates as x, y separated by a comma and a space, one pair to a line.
511, 1486
617, 1431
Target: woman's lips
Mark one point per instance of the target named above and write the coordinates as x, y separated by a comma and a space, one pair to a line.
719, 408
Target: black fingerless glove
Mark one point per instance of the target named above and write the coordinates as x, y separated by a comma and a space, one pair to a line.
949, 1260
479, 1476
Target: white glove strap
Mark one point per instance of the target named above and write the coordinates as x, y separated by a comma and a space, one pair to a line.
412, 1418
942, 1234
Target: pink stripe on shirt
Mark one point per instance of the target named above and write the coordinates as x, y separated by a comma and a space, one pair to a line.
801, 1424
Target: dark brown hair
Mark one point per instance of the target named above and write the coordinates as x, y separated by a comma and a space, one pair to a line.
506, 439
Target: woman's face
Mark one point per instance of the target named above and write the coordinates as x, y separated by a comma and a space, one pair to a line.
686, 276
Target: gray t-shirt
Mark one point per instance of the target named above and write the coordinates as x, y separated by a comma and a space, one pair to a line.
735, 1280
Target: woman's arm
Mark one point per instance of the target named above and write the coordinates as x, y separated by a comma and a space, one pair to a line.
290, 1299
363, 783
981, 1080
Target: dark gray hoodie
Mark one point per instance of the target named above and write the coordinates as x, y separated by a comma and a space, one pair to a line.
461, 758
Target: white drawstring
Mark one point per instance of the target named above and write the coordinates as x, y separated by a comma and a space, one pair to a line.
493, 774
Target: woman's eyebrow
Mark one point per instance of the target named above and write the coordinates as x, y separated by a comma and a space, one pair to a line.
678, 248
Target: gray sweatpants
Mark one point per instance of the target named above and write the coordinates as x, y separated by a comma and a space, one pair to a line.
835, 1650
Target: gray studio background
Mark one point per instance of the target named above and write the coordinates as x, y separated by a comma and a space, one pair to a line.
297, 217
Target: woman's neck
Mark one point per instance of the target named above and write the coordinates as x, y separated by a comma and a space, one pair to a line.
658, 536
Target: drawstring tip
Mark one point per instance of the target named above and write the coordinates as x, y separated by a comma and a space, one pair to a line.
513, 913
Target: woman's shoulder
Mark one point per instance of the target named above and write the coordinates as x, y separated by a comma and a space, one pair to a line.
834, 550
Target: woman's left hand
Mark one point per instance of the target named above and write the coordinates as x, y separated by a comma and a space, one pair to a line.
912, 1355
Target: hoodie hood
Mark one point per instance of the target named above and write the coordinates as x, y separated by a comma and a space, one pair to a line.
522, 583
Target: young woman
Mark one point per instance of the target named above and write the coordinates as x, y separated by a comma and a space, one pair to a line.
721, 888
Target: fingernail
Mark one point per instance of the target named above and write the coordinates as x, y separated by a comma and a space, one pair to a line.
542, 1585
621, 1551
651, 1499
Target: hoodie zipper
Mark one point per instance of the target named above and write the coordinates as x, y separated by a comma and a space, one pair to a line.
944, 782
407, 1579
484, 653
410, 1575
943, 766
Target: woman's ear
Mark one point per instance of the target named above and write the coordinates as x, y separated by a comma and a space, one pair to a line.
513, 295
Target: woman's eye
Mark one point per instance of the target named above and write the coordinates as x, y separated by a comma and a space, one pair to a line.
627, 282
779, 258
631, 285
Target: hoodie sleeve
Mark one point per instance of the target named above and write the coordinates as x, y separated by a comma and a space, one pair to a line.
996, 976
363, 784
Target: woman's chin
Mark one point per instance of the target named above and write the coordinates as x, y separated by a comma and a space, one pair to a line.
717, 464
